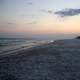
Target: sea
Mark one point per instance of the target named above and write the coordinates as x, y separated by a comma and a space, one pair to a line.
12, 45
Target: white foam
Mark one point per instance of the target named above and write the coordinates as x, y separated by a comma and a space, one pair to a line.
26, 45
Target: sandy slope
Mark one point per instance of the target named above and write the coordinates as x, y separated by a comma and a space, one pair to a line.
59, 60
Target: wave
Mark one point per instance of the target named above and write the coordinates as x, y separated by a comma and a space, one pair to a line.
9, 46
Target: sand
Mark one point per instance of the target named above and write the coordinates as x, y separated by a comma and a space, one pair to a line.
59, 60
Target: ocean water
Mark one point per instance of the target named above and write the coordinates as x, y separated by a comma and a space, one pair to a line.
11, 41
11, 45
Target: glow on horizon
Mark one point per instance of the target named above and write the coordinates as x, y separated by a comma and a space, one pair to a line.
33, 17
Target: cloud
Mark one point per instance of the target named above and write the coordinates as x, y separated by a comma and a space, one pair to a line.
29, 3
68, 12
10, 23
31, 23
50, 12
47, 11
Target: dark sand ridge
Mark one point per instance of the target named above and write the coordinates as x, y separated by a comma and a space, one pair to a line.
56, 61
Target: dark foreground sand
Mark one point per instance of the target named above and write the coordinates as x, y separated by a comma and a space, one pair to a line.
55, 61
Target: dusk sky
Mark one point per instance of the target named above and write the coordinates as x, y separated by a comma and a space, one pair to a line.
39, 17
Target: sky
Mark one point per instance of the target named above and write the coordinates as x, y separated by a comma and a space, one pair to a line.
44, 18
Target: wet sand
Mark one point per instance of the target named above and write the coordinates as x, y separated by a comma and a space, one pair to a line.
54, 61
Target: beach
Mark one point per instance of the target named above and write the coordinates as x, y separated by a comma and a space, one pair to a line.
58, 60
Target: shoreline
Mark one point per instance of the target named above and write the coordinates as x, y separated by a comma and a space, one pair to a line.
49, 61
56, 45
22, 49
